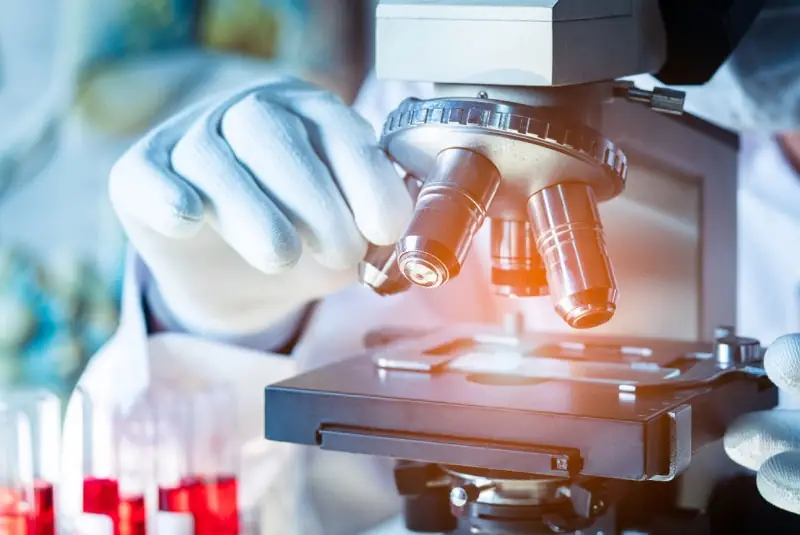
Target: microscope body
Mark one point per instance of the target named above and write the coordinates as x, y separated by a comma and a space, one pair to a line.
514, 134
512, 138
502, 431
518, 43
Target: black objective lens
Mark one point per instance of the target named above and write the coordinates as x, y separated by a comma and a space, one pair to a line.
517, 268
450, 210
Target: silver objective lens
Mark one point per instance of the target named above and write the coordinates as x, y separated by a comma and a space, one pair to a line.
450, 210
379, 270
570, 240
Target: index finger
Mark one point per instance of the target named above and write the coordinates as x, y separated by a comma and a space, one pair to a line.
782, 363
367, 178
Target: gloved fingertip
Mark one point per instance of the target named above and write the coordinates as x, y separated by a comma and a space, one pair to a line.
782, 363
273, 255
778, 481
155, 197
180, 214
758, 436
343, 256
388, 223
742, 441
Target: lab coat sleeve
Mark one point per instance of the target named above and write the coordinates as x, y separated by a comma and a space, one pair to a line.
274, 338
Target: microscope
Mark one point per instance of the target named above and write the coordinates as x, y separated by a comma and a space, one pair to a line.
500, 429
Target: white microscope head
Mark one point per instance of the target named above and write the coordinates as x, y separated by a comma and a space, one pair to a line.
532, 43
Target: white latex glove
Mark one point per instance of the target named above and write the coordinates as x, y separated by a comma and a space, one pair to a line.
249, 208
769, 441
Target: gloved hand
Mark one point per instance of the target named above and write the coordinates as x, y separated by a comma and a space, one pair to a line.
249, 208
769, 441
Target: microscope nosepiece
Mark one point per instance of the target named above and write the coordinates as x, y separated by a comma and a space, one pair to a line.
450, 210
570, 240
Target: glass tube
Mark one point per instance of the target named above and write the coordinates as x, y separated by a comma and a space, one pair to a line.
16, 473
30, 433
135, 444
198, 459
173, 441
113, 481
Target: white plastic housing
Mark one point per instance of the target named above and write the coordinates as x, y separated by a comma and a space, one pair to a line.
532, 43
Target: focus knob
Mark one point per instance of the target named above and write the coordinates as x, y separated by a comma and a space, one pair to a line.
737, 351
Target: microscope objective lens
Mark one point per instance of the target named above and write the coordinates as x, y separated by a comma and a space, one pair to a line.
450, 210
517, 269
423, 272
380, 270
570, 241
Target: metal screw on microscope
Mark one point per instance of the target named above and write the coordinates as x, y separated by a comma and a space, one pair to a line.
660, 99
736, 350
469, 493
459, 497
722, 331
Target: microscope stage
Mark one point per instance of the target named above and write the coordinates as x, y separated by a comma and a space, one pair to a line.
443, 413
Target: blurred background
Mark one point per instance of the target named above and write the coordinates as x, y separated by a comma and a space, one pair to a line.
80, 80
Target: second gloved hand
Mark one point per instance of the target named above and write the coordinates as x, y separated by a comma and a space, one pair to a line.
769, 441
249, 208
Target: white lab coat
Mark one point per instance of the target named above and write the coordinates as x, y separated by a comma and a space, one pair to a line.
309, 492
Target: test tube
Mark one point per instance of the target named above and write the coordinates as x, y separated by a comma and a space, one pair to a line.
113, 481
30, 428
171, 410
135, 447
16, 473
198, 460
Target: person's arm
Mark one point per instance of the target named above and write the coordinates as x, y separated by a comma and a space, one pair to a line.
280, 338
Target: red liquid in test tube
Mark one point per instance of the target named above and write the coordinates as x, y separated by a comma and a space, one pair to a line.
212, 503
102, 497
108, 490
30, 428
197, 460
43, 520
13, 511
21, 516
